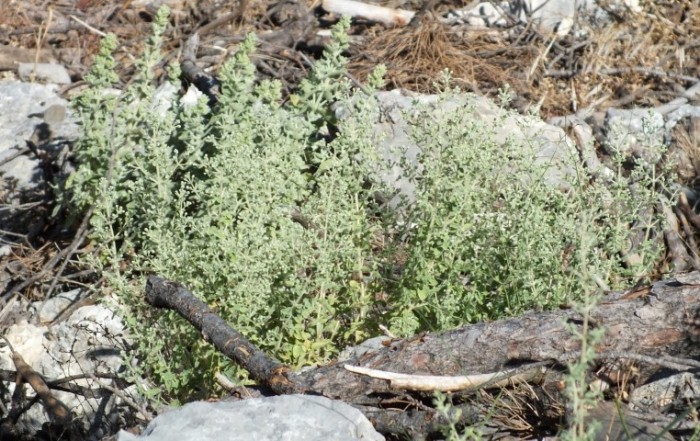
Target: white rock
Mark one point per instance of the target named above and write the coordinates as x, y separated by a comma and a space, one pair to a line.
554, 149
634, 133
46, 72
5, 250
286, 417
49, 309
21, 108
89, 341
191, 97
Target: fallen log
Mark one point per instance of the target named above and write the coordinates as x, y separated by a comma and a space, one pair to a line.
655, 326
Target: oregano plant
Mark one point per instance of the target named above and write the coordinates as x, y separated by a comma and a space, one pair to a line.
265, 207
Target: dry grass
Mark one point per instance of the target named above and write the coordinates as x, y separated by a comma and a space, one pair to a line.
643, 60
480, 60
640, 60
525, 411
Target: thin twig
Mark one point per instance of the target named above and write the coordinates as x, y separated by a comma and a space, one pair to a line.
27, 206
12, 233
88, 27
72, 248
690, 215
387, 332
623, 70
689, 236
349, 76
64, 385
148, 416
219, 22
675, 363
80, 235
57, 410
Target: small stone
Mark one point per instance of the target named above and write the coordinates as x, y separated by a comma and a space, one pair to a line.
53, 307
5, 250
55, 114
46, 72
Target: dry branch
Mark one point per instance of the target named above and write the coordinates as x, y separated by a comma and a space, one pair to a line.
162, 293
444, 383
57, 411
206, 83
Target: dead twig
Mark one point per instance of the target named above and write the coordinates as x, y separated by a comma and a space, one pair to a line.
220, 22
58, 412
462, 383
690, 215
81, 234
676, 248
162, 293
207, 84
88, 27
147, 416
15, 155
689, 236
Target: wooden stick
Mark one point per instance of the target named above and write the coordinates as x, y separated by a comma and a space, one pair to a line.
264, 369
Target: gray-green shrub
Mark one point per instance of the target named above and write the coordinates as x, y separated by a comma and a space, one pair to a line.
262, 208
489, 237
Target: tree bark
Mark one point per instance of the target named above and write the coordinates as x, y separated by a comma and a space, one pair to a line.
660, 320
651, 323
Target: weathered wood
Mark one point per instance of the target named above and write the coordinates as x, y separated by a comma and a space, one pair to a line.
662, 322
162, 293
207, 84
416, 424
58, 412
381, 14
266, 370
617, 425
658, 321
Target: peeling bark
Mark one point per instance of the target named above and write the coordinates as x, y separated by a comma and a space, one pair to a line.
647, 325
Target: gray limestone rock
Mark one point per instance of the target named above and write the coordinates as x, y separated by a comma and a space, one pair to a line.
283, 418
368, 345
659, 394
89, 341
22, 110
553, 148
48, 310
634, 133
46, 72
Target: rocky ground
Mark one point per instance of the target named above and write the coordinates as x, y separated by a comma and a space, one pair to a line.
611, 66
